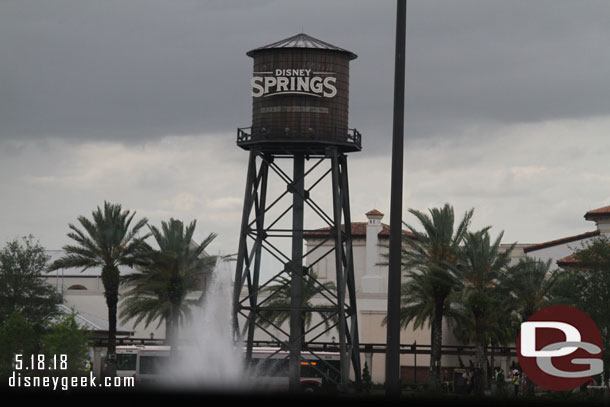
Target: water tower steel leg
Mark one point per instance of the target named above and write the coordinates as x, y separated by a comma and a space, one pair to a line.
260, 200
339, 253
242, 250
248, 264
296, 271
351, 285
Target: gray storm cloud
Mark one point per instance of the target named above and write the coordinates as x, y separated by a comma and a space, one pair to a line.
137, 70
137, 102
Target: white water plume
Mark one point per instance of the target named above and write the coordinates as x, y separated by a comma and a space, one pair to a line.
210, 360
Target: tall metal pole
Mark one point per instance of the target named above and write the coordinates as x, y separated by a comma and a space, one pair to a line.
392, 375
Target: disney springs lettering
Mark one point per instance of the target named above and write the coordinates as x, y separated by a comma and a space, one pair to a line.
294, 81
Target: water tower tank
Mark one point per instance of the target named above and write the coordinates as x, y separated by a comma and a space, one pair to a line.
300, 98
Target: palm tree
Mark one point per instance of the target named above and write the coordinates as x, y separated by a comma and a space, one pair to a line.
147, 301
159, 289
501, 326
428, 257
417, 301
531, 282
107, 241
279, 302
483, 270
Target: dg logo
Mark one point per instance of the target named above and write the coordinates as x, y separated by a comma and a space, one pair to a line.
560, 348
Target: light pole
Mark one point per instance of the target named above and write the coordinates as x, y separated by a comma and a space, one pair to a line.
392, 375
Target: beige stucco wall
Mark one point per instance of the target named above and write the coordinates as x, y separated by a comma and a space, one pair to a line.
92, 301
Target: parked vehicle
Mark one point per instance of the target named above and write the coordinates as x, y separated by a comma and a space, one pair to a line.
268, 369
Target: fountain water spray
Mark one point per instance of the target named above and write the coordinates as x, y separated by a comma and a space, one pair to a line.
209, 359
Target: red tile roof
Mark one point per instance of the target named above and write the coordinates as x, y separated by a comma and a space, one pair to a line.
374, 212
571, 260
560, 241
358, 230
598, 213
568, 261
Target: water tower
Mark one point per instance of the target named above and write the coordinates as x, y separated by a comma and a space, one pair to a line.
300, 101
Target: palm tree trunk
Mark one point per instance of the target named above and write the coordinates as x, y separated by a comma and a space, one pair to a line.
481, 362
174, 323
436, 338
175, 301
168, 330
110, 279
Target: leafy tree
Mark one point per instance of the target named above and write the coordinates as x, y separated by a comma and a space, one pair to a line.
108, 241
524, 289
17, 336
417, 302
519, 292
501, 327
279, 303
586, 286
531, 282
428, 256
66, 338
483, 269
146, 302
159, 289
22, 285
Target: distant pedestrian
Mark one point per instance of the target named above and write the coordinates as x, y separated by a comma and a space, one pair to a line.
500, 380
516, 381
469, 382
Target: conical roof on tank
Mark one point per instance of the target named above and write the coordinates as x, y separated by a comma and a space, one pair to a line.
302, 41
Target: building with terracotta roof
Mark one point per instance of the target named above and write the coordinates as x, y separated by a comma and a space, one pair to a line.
370, 241
370, 244
600, 213
601, 217
561, 251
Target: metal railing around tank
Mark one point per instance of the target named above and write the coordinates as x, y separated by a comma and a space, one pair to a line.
350, 137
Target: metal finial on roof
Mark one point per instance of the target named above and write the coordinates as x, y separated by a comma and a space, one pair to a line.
302, 41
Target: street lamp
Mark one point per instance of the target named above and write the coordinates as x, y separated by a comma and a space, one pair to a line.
392, 376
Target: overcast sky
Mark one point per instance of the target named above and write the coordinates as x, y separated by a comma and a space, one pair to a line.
137, 102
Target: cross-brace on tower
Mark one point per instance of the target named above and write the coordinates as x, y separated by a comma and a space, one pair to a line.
257, 229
